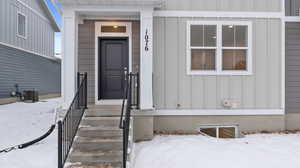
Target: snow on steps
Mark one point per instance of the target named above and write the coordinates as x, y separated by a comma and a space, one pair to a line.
96, 144
99, 141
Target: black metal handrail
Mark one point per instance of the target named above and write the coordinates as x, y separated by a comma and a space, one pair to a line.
132, 80
131, 96
68, 127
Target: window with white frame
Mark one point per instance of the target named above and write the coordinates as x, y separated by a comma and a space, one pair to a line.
21, 26
219, 48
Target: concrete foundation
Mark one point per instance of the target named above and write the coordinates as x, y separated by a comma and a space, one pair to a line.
144, 126
292, 121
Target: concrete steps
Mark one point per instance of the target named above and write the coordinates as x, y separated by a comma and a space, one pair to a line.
94, 144
98, 143
99, 132
93, 165
96, 157
103, 113
101, 121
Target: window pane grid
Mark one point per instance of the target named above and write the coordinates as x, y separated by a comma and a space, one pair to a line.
229, 54
234, 36
203, 59
203, 35
234, 59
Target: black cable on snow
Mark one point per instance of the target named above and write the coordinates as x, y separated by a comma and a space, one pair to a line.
24, 145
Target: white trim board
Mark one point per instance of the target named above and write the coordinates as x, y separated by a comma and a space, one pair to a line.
31, 52
292, 19
111, 18
283, 64
210, 112
98, 33
217, 14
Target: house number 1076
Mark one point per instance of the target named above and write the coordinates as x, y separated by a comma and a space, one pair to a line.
146, 40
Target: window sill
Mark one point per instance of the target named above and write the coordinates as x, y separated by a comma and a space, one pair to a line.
221, 73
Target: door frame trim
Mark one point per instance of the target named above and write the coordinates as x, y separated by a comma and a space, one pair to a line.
98, 34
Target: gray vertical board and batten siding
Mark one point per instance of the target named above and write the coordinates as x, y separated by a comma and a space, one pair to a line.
292, 80
40, 32
174, 89
86, 52
223, 5
292, 7
29, 71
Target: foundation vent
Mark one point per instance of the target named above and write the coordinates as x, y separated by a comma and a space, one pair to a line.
220, 131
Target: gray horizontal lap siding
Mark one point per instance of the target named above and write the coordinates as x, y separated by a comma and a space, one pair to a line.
86, 55
292, 67
28, 71
292, 7
40, 33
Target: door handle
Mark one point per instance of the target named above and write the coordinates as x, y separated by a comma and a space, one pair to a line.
125, 72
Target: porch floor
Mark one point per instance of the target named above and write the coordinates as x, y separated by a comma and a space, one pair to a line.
98, 143
103, 110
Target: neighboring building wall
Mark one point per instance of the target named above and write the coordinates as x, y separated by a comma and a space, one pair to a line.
224, 5
174, 89
34, 4
86, 52
292, 55
28, 71
40, 32
292, 7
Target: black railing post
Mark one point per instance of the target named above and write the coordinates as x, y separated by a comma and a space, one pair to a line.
78, 87
78, 80
138, 90
131, 96
85, 91
59, 159
124, 144
69, 125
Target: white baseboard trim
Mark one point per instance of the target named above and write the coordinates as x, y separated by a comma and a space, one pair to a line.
210, 112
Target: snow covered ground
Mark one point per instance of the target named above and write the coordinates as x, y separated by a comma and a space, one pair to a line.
21, 122
197, 151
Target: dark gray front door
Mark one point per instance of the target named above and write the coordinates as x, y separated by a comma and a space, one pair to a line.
113, 60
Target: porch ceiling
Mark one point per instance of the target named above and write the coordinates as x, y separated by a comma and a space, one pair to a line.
153, 3
132, 15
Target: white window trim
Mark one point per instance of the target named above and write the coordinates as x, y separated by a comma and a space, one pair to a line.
25, 36
219, 48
